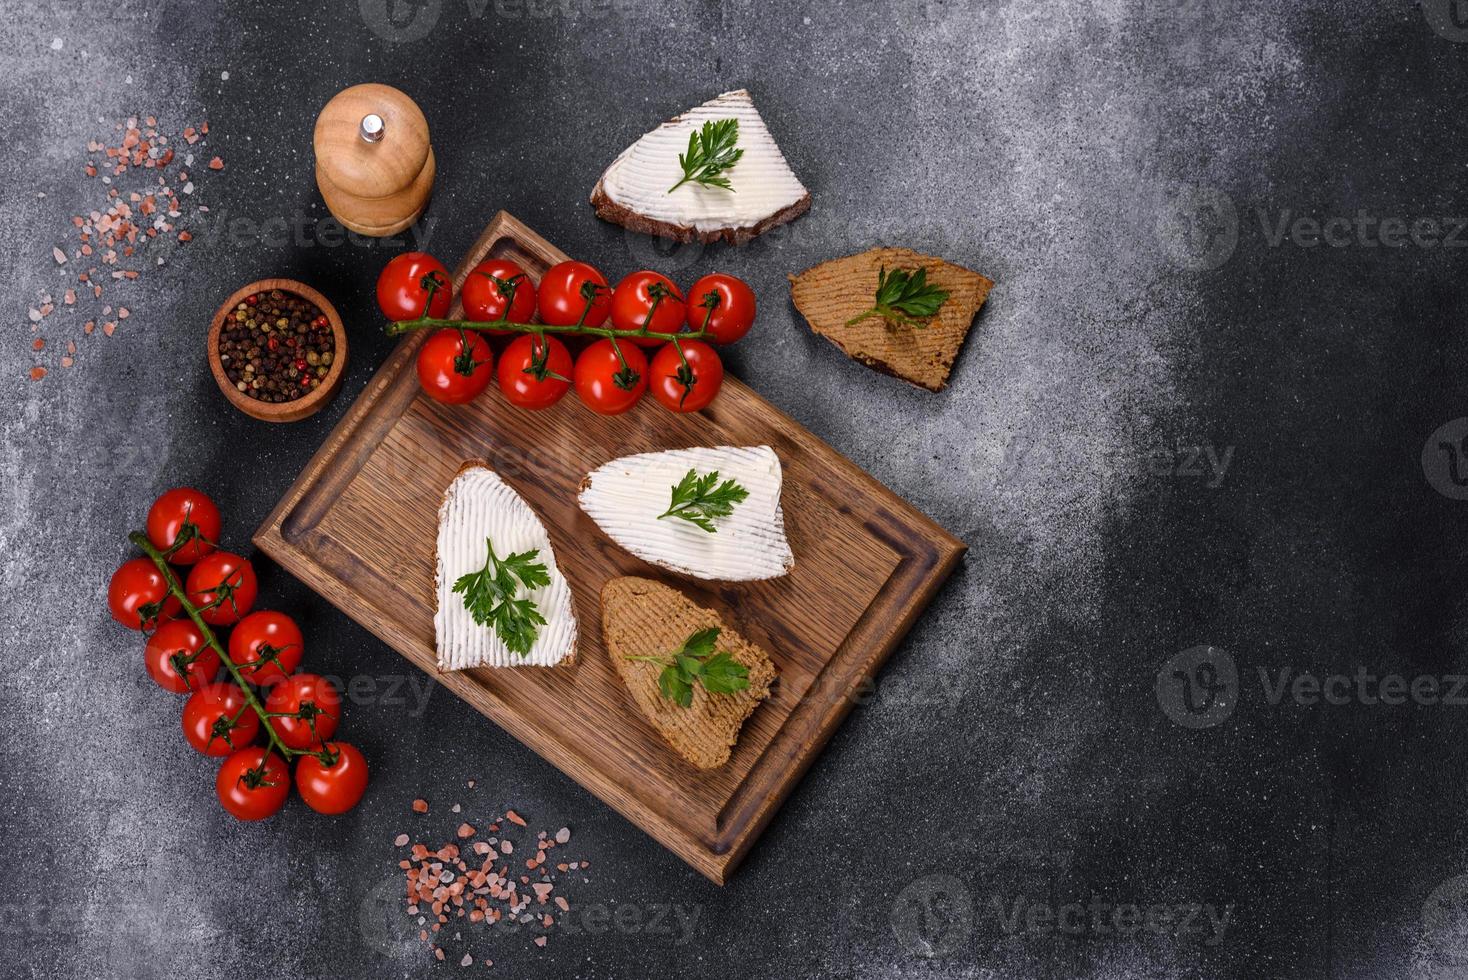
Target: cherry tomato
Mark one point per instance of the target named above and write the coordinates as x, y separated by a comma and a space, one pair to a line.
441, 359
484, 299
249, 791
208, 719
224, 576
314, 700
690, 388
177, 509
634, 298
596, 374
135, 592
401, 289
733, 313
562, 299
333, 788
266, 646
519, 383
169, 647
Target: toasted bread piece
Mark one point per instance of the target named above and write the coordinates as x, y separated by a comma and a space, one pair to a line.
642, 618
830, 294
634, 191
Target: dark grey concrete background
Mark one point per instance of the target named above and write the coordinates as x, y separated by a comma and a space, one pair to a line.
1131, 174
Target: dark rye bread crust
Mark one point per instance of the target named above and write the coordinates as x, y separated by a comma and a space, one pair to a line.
618, 214
831, 293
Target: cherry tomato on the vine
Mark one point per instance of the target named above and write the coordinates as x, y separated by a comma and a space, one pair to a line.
209, 719
266, 646
226, 577
484, 298
686, 388
401, 289
249, 791
519, 364
601, 381
172, 645
333, 788
177, 509
634, 298
733, 314
562, 299
135, 593
316, 704
443, 361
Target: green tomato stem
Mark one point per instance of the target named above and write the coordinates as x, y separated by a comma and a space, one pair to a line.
210, 640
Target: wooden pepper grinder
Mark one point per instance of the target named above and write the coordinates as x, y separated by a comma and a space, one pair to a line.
374, 163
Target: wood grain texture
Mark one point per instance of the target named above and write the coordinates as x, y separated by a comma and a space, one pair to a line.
360, 526
306, 405
377, 188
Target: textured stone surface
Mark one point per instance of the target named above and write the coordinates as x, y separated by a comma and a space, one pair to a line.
1129, 174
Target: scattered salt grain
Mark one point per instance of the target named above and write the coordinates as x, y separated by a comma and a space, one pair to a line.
563, 835
420, 806
57, 44
455, 808
400, 840
467, 960
224, 77
58, 255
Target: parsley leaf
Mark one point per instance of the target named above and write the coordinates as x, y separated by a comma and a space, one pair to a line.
701, 500
489, 595
696, 662
711, 151
904, 297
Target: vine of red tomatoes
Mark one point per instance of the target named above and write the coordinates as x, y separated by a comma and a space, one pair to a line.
610, 375
225, 718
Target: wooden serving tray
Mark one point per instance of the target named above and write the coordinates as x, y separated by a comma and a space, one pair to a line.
360, 526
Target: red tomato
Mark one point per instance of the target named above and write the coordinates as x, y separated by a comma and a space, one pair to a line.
563, 291
733, 313
601, 381
449, 375
316, 705
250, 790
167, 657
226, 577
635, 298
266, 646
484, 299
180, 508
333, 787
402, 287
138, 595
518, 379
208, 719
686, 388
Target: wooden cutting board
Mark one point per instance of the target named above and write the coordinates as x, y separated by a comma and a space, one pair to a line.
360, 527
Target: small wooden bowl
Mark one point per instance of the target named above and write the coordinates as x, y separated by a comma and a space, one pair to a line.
290, 411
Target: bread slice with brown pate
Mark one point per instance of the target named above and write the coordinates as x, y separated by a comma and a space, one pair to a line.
831, 294
643, 618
